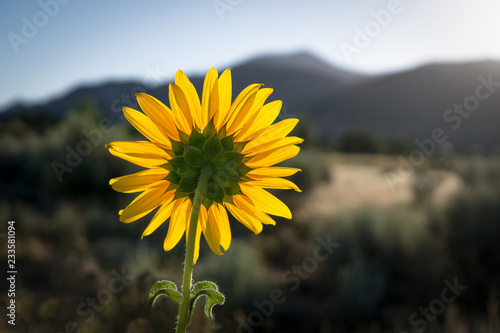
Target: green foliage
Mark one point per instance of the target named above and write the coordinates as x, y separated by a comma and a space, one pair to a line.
62, 160
469, 227
363, 141
164, 288
207, 289
213, 296
391, 261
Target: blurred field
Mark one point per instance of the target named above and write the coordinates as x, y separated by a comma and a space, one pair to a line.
394, 252
358, 180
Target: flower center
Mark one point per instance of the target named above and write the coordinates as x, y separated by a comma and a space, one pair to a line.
202, 150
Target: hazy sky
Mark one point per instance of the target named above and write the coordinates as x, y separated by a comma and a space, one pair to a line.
50, 46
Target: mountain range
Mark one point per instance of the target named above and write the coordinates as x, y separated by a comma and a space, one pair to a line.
460, 100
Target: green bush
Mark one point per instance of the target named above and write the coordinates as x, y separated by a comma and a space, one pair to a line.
364, 141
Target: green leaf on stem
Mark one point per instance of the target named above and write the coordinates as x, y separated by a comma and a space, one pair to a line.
211, 291
166, 288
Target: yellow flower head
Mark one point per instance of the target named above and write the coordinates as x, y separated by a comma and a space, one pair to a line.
237, 142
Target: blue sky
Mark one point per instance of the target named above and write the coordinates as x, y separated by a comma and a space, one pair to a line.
50, 46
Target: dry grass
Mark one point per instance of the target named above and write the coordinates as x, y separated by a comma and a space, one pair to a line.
358, 180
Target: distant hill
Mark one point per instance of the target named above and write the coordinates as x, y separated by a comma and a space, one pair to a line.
298, 79
407, 105
410, 105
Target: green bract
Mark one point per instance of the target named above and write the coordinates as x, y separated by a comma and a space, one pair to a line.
206, 149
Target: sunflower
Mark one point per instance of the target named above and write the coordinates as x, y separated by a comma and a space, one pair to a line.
232, 146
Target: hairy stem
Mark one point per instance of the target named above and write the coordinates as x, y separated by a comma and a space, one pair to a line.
183, 318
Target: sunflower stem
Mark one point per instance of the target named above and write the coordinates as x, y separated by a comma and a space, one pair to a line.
183, 318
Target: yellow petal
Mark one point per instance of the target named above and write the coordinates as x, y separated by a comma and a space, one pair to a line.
144, 203
143, 153
273, 132
137, 148
178, 223
161, 215
225, 96
211, 231
239, 104
263, 120
139, 181
246, 219
243, 202
192, 98
210, 98
180, 109
261, 173
180, 219
248, 111
145, 126
278, 143
275, 183
147, 161
272, 157
159, 113
265, 201
197, 245
218, 213
202, 218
